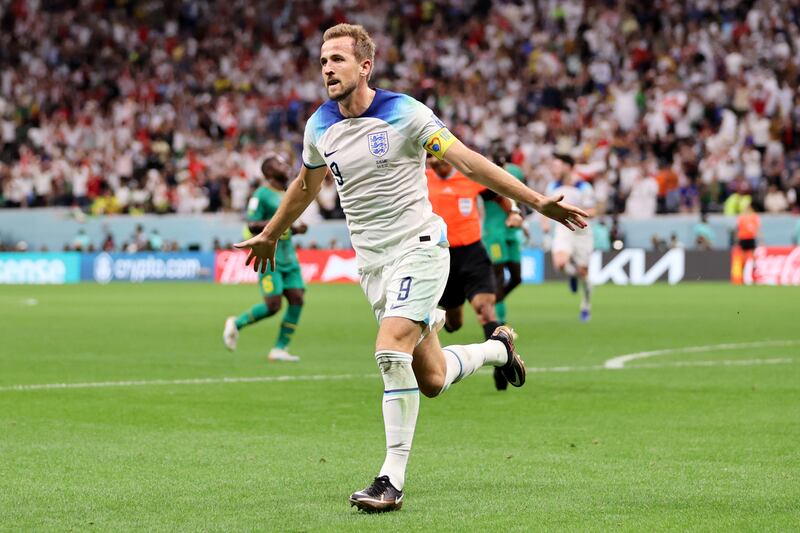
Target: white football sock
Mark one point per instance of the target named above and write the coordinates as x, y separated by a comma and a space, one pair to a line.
400, 409
464, 359
570, 269
586, 293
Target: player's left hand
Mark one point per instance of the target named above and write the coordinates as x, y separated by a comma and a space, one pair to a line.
262, 252
514, 220
568, 215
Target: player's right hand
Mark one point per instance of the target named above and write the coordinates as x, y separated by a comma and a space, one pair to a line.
262, 252
568, 215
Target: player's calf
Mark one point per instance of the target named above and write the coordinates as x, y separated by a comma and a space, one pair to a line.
454, 319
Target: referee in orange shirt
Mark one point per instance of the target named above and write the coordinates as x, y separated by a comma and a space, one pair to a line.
454, 197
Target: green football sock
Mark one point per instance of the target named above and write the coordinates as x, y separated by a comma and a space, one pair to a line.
288, 325
256, 313
500, 308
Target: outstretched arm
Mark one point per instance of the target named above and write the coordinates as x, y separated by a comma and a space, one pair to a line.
299, 195
479, 169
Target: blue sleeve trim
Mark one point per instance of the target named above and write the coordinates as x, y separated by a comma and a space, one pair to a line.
312, 167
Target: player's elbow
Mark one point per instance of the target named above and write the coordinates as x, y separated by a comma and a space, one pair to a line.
466, 161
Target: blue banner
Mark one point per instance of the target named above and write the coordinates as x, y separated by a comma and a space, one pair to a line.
39, 268
532, 265
140, 267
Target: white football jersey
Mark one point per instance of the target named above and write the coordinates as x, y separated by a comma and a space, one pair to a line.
378, 163
581, 195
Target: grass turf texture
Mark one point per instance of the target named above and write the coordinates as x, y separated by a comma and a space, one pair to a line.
666, 448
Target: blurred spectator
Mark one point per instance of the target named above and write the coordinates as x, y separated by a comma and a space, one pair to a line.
796, 235
155, 242
163, 107
643, 197
668, 194
739, 201
793, 195
703, 234
105, 203
775, 200
657, 244
601, 235
108, 244
81, 241
139, 240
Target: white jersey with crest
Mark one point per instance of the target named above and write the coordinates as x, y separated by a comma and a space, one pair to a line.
378, 163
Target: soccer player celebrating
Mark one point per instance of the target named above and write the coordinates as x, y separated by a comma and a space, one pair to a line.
286, 280
572, 249
454, 198
374, 142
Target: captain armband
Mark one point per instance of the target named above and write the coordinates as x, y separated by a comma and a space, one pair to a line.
439, 142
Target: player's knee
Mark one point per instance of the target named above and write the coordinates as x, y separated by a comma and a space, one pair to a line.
295, 299
273, 305
397, 371
452, 324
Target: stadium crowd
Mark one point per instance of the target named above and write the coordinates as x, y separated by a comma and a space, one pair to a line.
134, 106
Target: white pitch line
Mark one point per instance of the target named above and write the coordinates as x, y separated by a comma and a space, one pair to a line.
322, 377
728, 362
191, 381
620, 360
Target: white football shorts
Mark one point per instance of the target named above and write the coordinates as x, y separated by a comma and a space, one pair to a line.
410, 286
579, 245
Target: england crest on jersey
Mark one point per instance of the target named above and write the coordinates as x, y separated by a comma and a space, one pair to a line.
378, 143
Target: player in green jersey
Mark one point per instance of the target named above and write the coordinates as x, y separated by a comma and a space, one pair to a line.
286, 281
504, 245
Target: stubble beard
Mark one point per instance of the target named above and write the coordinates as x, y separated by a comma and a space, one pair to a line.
346, 92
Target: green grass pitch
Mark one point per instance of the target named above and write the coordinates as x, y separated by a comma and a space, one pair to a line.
682, 440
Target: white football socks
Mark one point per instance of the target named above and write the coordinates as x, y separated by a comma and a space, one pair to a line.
401, 395
400, 409
586, 294
464, 359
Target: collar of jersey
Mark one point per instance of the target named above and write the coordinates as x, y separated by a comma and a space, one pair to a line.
372, 111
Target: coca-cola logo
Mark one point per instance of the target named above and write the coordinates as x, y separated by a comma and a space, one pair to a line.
772, 265
315, 265
229, 268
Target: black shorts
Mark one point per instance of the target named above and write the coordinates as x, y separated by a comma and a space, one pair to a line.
470, 274
746, 244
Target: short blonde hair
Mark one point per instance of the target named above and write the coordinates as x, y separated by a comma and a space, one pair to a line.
363, 45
